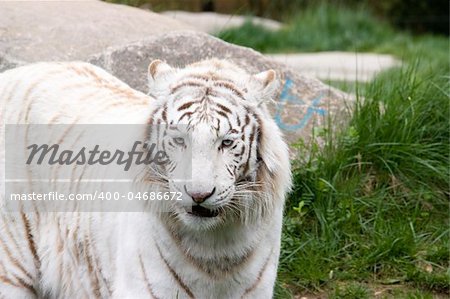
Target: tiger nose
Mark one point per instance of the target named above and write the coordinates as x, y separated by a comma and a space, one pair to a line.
199, 197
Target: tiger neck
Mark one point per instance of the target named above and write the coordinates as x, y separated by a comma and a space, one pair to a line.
217, 252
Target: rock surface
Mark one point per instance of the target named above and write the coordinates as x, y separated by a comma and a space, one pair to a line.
123, 40
212, 22
303, 103
343, 66
72, 30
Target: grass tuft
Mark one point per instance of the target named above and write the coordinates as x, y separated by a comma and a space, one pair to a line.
352, 291
372, 205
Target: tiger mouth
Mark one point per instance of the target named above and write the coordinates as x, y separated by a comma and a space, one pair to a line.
200, 211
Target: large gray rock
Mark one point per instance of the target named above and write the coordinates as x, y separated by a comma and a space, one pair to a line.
303, 102
72, 30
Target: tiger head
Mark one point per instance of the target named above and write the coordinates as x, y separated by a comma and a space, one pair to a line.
227, 157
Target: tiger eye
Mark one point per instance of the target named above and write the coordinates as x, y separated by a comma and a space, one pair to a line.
227, 142
178, 140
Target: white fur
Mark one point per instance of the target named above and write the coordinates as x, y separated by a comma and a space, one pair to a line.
134, 250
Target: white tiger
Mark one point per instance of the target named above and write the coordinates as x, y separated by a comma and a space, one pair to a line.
221, 241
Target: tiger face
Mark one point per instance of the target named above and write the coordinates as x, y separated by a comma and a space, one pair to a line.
212, 120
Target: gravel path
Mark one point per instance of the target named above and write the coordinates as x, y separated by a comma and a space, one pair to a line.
340, 66
211, 22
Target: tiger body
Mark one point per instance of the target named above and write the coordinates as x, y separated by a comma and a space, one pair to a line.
150, 254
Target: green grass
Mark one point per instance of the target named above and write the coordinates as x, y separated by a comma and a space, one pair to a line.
352, 291
319, 28
372, 206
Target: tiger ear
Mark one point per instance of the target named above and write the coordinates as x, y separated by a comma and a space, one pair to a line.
268, 85
158, 68
158, 76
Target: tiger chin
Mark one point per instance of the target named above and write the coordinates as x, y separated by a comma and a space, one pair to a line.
227, 161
